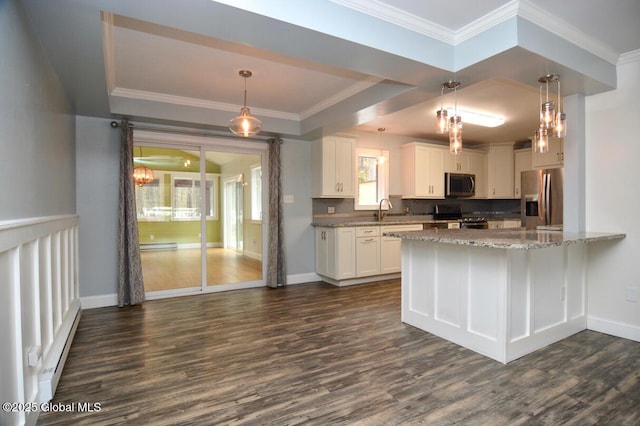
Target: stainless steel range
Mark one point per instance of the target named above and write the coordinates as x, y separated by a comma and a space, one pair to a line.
453, 212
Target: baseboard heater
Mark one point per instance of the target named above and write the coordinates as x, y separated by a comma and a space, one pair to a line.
158, 246
57, 356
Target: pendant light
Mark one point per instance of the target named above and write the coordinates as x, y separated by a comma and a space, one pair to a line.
245, 124
552, 120
452, 125
141, 174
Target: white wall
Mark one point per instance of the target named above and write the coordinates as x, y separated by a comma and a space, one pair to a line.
37, 141
613, 202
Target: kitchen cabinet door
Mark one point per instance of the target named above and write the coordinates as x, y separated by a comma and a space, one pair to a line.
478, 167
500, 171
335, 252
332, 167
390, 253
522, 162
553, 158
422, 171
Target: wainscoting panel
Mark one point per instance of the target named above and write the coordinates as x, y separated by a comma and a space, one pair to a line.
39, 310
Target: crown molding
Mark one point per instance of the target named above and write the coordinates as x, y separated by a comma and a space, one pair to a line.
629, 57
522, 8
340, 96
108, 49
488, 21
554, 25
385, 12
197, 103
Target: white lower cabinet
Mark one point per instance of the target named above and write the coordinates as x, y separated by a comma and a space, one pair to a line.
367, 251
336, 252
348, 253
504, 224
390, 258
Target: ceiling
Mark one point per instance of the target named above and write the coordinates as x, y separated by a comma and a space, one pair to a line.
337, 65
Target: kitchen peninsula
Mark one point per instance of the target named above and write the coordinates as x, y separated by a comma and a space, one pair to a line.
501, 293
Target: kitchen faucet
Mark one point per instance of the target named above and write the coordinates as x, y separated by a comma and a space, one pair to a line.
380, 213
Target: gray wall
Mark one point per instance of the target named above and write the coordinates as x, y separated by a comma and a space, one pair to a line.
298, 233
37, 141
98, 165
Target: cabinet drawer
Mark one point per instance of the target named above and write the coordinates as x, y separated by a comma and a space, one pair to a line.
367, 231
400, 228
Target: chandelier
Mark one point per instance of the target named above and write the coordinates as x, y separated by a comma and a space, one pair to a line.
141, 174
245, 124
452, 125
552, 120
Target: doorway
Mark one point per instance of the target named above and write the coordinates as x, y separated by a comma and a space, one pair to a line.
191, 222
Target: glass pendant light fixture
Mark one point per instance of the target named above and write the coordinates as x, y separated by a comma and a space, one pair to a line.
452, 125
245, 124
552, 119
141, 174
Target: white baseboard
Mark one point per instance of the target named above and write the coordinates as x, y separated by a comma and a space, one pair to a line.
626, 331
253, 255
303, 278
90, 302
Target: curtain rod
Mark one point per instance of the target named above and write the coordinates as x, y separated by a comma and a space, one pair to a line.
115, 124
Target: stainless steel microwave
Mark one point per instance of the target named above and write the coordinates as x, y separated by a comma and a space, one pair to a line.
459, 185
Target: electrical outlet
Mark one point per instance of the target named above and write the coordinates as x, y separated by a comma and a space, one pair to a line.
152, 237
331, 210
631, 294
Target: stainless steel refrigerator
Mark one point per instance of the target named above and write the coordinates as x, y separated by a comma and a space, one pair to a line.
542, 196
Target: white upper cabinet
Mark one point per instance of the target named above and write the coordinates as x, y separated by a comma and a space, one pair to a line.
500, 171
522, 162
332, 167
460, 163
423, 170
553, 158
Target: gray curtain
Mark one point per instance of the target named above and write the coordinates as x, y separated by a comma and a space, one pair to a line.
130, 284
276, 265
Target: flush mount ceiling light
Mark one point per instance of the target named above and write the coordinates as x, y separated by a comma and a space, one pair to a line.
479, 119
141, 174
452, 124
244, 124
552, 120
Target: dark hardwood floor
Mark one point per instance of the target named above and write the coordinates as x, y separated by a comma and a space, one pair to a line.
318, 354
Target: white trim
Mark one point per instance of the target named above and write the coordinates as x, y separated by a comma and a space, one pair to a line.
105, 300
548, 21
523, 8
252, 255
101, 301
629, 57
108, 50
398, 17
602, 325
350, 91
309, 277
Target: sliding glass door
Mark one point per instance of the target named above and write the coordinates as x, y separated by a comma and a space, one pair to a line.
169, 217
200, 219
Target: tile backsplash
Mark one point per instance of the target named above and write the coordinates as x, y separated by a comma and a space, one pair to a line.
486, 208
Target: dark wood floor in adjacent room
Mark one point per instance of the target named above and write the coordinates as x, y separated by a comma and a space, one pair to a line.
318, 354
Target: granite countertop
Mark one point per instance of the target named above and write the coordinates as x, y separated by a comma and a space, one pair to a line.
339, 222
505, 238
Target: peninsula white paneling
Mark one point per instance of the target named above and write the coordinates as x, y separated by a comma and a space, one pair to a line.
502, 303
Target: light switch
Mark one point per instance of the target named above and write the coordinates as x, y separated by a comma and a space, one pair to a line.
288, 199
